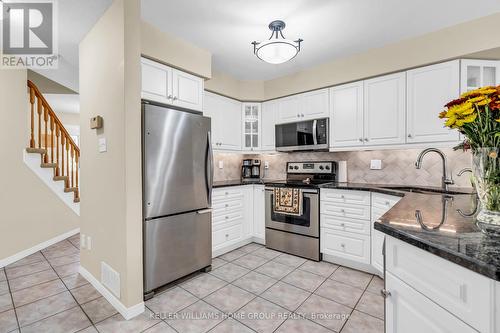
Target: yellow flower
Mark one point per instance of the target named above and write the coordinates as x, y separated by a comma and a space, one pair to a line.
476, 99
484, 102
467, 111
451, 120
460, 109
470, 118
497, 120
460, 122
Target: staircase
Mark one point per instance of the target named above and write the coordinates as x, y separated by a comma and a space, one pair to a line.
53, 143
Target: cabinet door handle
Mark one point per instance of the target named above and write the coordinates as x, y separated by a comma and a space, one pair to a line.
175, 98
360, 139
227, 205
302, 115
298, 115
387, 203
227, 235
342, 225
226, 217
410, 136
169, 97
366, 140
342, 210
226, 193
342, 245
342, 196
385, 293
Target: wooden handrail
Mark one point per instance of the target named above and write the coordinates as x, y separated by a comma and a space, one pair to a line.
39, 95
67, 153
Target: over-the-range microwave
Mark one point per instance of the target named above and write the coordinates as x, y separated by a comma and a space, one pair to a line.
302, 135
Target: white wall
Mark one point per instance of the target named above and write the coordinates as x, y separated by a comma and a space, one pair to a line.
30, 212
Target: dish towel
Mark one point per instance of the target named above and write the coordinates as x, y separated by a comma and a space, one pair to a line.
288, 201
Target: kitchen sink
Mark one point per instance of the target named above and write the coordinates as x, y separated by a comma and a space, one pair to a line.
423, 190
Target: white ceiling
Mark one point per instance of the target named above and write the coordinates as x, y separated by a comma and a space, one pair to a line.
330, 28
75, 19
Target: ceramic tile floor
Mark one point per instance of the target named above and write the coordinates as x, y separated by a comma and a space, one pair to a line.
262, 289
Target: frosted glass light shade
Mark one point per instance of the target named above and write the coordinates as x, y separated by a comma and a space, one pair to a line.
276, 51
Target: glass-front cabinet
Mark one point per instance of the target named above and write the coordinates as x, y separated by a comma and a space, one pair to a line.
251, 126
479, 73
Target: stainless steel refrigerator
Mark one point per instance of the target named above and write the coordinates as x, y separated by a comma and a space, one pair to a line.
177, 187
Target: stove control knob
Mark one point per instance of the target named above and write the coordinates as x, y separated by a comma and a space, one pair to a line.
327, 167
321, 167
290, 167
296, 167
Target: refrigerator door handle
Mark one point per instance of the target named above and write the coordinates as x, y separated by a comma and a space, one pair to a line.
209, 169
204, 211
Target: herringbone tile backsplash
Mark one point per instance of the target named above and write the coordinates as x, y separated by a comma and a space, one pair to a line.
398, 166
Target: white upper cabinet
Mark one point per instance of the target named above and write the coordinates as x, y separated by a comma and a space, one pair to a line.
479, 73
166, 85
384, 110
306, 106
156, 81
268, 116
187, 90
314, 104
289, 109
346, 121
226, 121
428, 90
251, 126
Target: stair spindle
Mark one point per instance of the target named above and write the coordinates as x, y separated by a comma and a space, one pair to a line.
46, 134
58, 132
32, 107
67, 161
72, 166
62, 153
77, 166
51, 139
39, 110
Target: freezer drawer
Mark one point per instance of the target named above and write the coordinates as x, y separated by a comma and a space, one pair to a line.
176, 246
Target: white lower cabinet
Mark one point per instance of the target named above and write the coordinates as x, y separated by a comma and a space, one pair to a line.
381, 203
408, 311
345, 227
237, 217
259, 214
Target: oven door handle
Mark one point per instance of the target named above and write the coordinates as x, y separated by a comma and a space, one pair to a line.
315, 132
303, 190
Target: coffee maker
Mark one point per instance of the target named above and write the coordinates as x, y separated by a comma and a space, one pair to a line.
250, 170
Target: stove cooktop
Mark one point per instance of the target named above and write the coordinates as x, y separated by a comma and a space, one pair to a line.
298, 183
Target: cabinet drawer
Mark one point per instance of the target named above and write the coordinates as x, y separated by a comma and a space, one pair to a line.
345, 196
346, 245
345, 210
346, 224
408, 311
228, 219
226, 193
224, 207
231, 234
462, 292
384, 201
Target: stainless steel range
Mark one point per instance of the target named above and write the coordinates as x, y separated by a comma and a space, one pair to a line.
298, 233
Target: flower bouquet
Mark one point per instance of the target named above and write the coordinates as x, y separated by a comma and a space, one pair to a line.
476, 115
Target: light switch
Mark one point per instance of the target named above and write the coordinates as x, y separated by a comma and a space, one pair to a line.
266, 164
102, 145
221, 164
376, 164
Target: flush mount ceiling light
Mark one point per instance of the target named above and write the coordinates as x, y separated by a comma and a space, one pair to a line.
276, 50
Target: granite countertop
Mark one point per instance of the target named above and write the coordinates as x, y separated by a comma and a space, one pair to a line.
455, 238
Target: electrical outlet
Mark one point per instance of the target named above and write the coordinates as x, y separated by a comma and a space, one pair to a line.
82, 241
221, 164
376, 165
266, 164
89, 243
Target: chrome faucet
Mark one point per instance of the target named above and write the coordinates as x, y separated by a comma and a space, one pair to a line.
464, 170
445, 180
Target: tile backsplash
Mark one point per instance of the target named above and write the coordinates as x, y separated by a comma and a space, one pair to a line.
398, 166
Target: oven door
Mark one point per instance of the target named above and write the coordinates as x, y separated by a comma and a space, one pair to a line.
303, 135
306, 224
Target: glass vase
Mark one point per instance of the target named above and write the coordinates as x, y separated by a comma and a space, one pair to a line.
486, 176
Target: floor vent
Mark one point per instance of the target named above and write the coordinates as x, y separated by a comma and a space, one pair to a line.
110, 279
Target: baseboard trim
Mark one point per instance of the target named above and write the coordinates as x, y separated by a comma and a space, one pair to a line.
350, 263
23, 254
229, 248
127, 313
